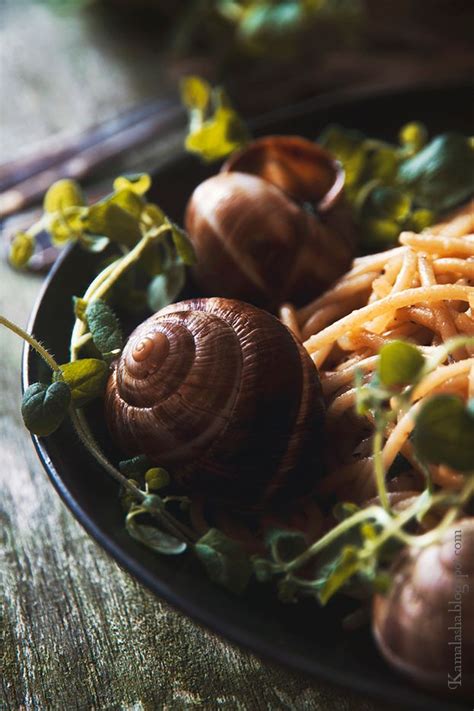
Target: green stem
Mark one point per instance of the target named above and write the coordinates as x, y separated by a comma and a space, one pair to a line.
431, 536
84, 433
127, 261
371, 512
379, 469
41, 350
108, 277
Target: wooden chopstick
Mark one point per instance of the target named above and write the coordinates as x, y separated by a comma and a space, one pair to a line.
26, 180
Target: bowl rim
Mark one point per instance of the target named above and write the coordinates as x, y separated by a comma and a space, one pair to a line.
400, 689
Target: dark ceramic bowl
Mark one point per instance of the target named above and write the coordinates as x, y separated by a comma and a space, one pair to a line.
301, 636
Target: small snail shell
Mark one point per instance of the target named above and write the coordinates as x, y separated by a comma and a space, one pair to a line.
273, 225
222, 394
416, 623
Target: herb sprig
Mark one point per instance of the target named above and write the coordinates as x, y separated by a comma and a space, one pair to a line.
215, 128
405, 186
354, 551
135, 227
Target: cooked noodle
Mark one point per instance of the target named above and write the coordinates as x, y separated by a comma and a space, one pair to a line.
421, 291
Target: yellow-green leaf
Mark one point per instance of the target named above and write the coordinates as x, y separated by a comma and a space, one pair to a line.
347, 565
218, 137
21, 249
195, 93
400, 363
138, 184
62, 194
86, 379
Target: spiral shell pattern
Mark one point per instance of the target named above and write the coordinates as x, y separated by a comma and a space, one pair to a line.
223, 395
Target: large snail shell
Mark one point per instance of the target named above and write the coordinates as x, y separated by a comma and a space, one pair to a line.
273, 225
222, 394
429, 609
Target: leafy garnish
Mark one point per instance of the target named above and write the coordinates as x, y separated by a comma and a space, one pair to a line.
104, 327
399, 363
156, 478
225, 560
86, 379
444, 432
394, 188
44, 407
122, 218
215, 128
21, 249
441, 175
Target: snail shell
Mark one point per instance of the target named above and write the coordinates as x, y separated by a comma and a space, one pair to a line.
431, 600
222, 394
273, 225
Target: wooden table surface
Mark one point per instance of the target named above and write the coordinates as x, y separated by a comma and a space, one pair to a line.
78, 632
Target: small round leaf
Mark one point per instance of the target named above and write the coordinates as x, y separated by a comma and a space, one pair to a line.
444, 433
399, 363
62, 194
21, 249
44, 407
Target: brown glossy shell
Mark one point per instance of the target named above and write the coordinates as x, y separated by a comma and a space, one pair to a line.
416, 623
221, 394
273, 225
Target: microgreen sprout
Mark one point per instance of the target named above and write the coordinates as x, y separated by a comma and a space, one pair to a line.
215, 128
353, 552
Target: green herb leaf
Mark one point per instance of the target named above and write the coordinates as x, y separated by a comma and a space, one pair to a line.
157, 478
114, 222
154, 214
218, 137
379, 233
413, 136
104, 327
117, 217
343, 568
195, 93
444, 432
225, 560
86, 378
420, 219
164, 288
390, 203
400, 363
22, 248
434, 175
151, 536
62, 194
44, 407
347, 146
138, 183
66, 225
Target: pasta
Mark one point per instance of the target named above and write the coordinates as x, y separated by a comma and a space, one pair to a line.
421, 291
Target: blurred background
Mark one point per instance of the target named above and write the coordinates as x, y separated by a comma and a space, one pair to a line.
68, 66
